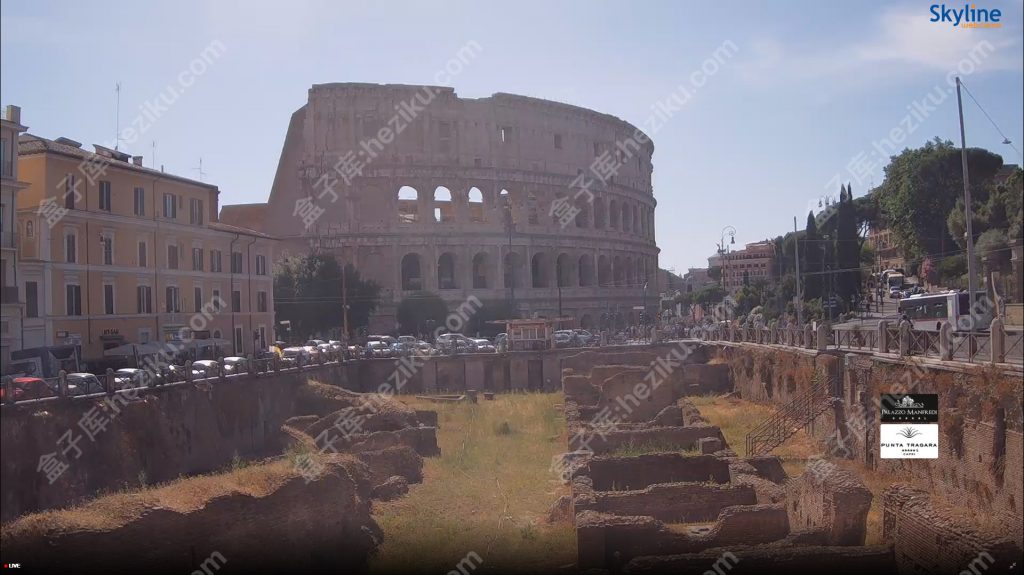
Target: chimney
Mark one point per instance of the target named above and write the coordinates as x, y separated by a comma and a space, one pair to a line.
13, 114
137, 160
161, 168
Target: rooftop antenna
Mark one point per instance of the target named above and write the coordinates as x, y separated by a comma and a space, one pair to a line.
154, 154
200, 169
117, 116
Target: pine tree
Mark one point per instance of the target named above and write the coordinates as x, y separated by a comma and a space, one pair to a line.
810, 254
847, 251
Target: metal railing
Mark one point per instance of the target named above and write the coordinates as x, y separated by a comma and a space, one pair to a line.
975, 347
790, 418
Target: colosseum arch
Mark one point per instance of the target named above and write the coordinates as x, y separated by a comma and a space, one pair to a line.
637, 227
513, 266
600, 213
586, 321
613, 215
444, 207
585, 267
475, 203
482, 273
583, 216
604, 271
532, 211
412, 272
408, 204
627, 218
539, 271
564, 270
629, 271
447, 271
618, 278
641, 277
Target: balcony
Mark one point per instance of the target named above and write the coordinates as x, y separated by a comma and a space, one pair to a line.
9, 294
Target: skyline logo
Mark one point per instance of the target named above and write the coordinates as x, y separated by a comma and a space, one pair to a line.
970, 16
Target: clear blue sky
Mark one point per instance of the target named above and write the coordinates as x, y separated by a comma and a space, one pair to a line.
811, 89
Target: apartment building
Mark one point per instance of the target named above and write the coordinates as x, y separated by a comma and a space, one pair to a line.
11, 302
754, 262
114, 252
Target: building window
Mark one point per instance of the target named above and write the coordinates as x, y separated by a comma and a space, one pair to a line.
107, 243
263, 337
144, 299
105, 195
73, 302
144, 335
261, 265
506, 134
108, 299
197, 259
216, 300
236, 301
238, 340
170, 206
195, 211
261, 301
558, 141
197, 294
70, 248
597, 149
143, 255
70, 191
215, 261
31, 299
140, 201
236, 262
172, 257
173, 304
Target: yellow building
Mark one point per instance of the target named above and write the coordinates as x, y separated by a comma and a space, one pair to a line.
10, 299
113, 252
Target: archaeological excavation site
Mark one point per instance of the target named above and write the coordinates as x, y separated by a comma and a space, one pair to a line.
678, 457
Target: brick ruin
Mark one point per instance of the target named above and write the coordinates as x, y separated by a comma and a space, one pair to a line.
313, 502
656, 488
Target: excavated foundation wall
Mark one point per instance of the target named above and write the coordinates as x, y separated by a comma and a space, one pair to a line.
981, 421
162, 434
258, 519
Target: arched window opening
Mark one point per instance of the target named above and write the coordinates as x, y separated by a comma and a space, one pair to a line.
408, 205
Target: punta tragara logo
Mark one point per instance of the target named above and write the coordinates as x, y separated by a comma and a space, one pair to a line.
970, 16
909, 426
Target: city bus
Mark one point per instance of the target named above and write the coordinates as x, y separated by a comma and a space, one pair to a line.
927, 312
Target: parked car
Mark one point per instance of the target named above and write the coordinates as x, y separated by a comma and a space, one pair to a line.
205, 368
454, 343
483, 345
235, 364
378, 349
387, 339
83, 384
130, 377
894, 293
585, 338
564, 338
407, 339
28, 388
315, 342
294, 356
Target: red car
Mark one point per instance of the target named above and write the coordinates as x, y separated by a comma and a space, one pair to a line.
28, 388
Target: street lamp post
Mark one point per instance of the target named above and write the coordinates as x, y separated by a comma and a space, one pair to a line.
723, 251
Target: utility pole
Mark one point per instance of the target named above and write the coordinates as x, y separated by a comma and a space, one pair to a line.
799, 292
972, 282
344, 296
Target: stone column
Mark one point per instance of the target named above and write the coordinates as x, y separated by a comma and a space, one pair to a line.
904, 338
883, 336
997, 341
808, 336
822, 337
946, 341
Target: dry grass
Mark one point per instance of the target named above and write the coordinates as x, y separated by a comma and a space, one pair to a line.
488, 493
737, 417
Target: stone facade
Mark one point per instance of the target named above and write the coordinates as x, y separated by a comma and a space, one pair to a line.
439, 179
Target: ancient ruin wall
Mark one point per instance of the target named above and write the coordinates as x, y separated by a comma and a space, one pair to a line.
265, 517
457, 160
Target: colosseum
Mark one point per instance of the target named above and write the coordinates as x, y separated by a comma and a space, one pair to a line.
543, 205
